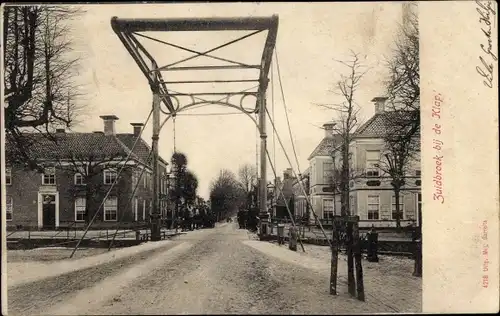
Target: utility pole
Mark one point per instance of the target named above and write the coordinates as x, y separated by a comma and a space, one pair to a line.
155, 216
263, 154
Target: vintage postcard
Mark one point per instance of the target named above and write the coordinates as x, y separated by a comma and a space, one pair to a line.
250, 158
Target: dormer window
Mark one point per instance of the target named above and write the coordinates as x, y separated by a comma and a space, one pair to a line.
49, 176
110, 176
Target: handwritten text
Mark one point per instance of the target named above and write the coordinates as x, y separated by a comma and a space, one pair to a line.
487, 57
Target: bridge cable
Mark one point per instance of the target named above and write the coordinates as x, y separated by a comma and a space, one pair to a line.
287, 119
286, 202
300, 182
286, 109
129, 201
112, 185
173, 119
272, 109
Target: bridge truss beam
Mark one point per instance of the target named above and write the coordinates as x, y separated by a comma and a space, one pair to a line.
128, 30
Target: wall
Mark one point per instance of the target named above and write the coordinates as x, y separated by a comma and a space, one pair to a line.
24, 192
409, 199
319, 189
27, 184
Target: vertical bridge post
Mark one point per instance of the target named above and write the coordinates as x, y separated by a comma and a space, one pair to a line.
263, 160
155, 214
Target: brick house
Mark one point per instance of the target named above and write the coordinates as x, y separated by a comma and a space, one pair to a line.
76, 173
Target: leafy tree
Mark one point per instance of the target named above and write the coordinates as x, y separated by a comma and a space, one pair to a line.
226, 194
185, 185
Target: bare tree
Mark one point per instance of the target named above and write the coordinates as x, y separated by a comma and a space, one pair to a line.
83, 165
403, 82
89, 168
346, 121
247, 175
40, 70
398, 154
402, 124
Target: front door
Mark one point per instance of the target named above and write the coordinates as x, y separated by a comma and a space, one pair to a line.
49, 211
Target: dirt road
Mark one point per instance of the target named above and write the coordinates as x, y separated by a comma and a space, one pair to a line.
210, 271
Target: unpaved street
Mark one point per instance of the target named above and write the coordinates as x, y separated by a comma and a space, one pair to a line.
203, 272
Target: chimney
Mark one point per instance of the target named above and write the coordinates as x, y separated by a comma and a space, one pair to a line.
109, 124
328, 127
137, 128
60, 130
288, 174
379, 104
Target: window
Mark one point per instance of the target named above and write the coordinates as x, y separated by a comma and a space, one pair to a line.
136, 209
401, 207
327, 172
372, 162
8, 176
49, 176
419, 207
135, 178
110, 176
327, 208
351, 205
79, 179
111, 208
145, 180
80, 204
373, 206
9, 208
143, 210
418, 173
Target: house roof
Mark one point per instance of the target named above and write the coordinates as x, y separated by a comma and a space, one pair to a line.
381, 123
83, 146
141, 149
386, 122
376, 127
325, 147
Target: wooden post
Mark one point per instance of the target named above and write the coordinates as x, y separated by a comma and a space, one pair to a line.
359, 268
334, 262
351, 282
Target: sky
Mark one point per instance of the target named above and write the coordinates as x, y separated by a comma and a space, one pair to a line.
312, 37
